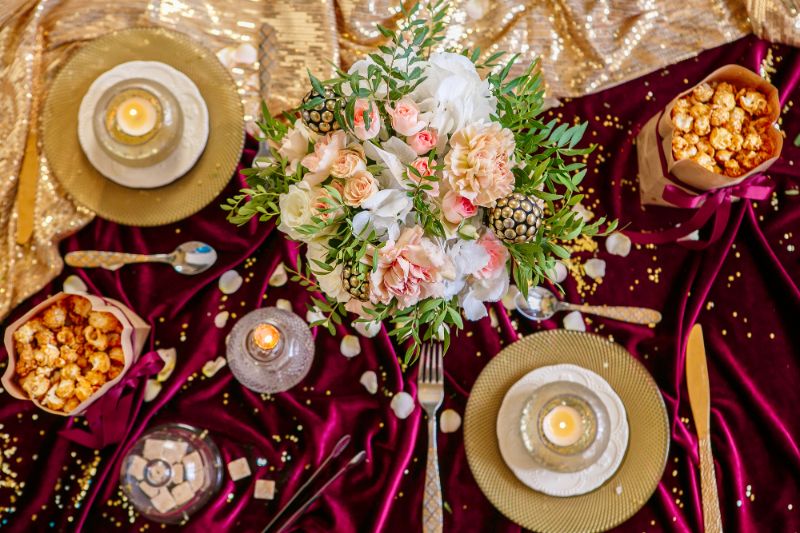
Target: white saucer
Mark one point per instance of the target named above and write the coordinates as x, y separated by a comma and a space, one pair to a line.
518, 459
186, 153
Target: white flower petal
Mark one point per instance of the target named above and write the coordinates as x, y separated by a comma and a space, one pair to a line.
449, 421
367, 329
279, 276
221, 319
314, 315
370, 381
284, 304
509, 300
595, 268
493, 318
151, 390
212, 367
559, 272
574, 321
585, 214
230, 281
402, 405
169, 356
245, 53
350, 346
618, 244
693, 236
225, 56
74, 285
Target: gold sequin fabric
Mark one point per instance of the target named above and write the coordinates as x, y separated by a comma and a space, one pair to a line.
584, 47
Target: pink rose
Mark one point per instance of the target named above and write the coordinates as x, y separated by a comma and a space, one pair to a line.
498, 256
409, 270
423, 141
326, 150
456, 207
360, 125
405, 117
423, 166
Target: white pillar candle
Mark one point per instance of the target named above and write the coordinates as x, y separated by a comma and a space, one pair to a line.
136, 116
563, 426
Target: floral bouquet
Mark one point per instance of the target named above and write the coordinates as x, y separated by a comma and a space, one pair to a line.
420, 181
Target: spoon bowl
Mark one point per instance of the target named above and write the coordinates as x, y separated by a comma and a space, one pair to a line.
193, 257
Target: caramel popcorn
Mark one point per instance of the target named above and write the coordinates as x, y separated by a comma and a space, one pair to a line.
722, 128
67, 352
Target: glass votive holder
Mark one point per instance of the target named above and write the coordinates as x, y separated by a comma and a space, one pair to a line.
564, 426
138, 122
270, 350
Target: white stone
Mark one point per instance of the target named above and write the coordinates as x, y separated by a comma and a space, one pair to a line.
618, 244
164, 501
239, 469
182, 493
284, 304
402, 405
170, 357
449, 421
367, 329
509, 300
350, 346
265, 489
595, 268
370, 381
136, 467
151, 389
279, 277
230, 281
212, 367
149, 489
74, 285
574, 321
221, 319
559, 272
245, 54
314, 315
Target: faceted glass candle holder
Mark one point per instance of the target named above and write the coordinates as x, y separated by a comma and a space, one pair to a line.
270, 350
564, 426
171, 472
138, 122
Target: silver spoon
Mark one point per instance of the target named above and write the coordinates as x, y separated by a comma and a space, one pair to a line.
192, 257
541, 304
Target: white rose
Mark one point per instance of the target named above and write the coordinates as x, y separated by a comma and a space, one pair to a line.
330, 283
453, 94
295, 207
294, 145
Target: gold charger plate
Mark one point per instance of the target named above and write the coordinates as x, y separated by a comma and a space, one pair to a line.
144, 207
631, 485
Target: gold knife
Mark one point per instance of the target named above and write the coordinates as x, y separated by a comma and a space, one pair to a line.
700, 401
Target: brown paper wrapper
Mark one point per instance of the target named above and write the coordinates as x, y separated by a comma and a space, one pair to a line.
687, 172
133, 336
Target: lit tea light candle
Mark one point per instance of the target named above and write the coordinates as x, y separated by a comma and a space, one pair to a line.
137, 116
563, 426
266, 336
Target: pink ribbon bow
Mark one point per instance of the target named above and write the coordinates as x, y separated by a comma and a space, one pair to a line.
715, 203
111, 416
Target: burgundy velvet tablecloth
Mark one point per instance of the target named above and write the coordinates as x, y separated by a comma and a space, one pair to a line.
743, 290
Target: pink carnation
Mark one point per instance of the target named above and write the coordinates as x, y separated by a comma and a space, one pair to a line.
498, 256
456, 207
326, 150
409, 270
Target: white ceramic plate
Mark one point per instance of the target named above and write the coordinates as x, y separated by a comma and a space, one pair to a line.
518, 459
190, 146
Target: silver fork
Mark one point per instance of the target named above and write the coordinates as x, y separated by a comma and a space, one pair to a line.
430, 393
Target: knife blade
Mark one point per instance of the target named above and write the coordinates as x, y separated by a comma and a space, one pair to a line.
697, 381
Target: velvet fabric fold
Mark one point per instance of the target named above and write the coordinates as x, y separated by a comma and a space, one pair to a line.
742, 288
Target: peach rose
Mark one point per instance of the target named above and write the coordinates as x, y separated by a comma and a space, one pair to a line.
423, 141
360, 125
409, 270
347, 163
405, 117
456, 207
326, 150
498, 256
358, 188
478, 166
423, 166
